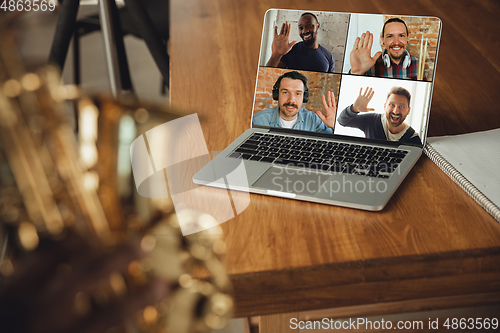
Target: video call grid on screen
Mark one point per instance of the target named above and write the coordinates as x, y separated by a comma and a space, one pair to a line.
337, 33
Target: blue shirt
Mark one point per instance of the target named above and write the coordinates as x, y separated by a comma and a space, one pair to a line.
303, 58
306, 120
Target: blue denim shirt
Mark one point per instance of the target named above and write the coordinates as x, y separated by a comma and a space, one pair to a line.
306, 120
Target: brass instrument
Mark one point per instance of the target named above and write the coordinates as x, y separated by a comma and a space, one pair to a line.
85, 185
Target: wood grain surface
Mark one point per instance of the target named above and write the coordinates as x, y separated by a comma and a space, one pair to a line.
431, 240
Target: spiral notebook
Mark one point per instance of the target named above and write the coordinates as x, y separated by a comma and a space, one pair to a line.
473, 161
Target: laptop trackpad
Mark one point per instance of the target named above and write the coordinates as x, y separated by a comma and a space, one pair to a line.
291, 180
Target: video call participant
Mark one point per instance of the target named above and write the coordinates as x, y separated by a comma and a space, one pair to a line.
290, 90
388, 126
307, 55
395, 62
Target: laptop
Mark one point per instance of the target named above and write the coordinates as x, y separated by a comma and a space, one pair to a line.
341, 108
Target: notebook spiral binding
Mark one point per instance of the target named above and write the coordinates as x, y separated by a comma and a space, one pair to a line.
463, 182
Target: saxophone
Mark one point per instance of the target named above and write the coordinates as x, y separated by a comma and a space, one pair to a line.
82, 182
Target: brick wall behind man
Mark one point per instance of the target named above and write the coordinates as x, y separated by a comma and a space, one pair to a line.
318, 84
331, 34
420, 28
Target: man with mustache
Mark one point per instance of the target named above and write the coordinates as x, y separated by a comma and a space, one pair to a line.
394, 62
290, 90
387, 126
307, 55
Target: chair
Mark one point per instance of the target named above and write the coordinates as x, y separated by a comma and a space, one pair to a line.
146, 19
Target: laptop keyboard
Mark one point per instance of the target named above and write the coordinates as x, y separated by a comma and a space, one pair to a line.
323, 155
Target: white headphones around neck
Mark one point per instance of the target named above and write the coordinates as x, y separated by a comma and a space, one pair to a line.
387, 60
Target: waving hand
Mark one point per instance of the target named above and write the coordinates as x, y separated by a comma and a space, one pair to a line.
361, 103
330, 107
281, 44
361, 61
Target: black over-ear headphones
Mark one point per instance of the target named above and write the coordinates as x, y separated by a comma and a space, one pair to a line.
295, 76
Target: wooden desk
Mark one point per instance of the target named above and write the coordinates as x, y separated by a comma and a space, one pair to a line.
432, 241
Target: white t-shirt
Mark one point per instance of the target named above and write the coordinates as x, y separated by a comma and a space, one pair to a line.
388, 134
288, 123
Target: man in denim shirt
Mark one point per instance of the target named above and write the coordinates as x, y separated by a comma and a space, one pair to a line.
290, 90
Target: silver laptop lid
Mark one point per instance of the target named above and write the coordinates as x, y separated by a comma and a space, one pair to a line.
380, 69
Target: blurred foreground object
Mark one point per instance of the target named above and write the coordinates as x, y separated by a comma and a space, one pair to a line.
80, 250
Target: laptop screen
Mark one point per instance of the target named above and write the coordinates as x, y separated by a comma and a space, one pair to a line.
380, 69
